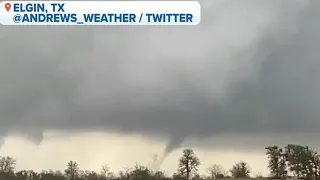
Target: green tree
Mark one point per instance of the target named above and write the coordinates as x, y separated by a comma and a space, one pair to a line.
241, 170
141, 173
188, 163
303, 161
177, 176
7, 164
197, 177
89, 175
159, 175
33, 175
276, 162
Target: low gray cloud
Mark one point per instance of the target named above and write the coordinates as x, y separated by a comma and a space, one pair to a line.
250, 68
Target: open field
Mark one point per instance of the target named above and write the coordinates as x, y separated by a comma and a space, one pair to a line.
263, 178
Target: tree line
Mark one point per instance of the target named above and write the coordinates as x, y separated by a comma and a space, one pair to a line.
295, 160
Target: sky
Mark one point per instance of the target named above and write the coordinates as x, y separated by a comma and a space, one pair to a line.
244, 78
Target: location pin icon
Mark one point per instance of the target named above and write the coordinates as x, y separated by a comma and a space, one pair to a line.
7, 6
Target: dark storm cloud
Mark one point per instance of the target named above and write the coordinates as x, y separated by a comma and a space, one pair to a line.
250, 68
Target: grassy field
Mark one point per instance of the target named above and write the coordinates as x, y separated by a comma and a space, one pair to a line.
263, 178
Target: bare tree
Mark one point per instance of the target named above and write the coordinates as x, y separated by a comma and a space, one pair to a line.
188, 163
125, 174
105, 170
72, 170
215, 171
